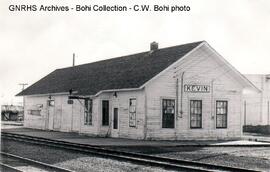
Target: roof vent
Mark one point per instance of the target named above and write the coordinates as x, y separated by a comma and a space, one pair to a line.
153, 46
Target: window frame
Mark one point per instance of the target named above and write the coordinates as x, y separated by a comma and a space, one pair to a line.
129, 108
88, 112
162, 114
49, 102
226, 126
34, 112
102, 115
201, 114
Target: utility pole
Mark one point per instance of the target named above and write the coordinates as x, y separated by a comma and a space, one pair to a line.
23, 85
268, 122
245, 113
73, 64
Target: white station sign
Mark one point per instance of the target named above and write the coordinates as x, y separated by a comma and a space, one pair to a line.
197, 88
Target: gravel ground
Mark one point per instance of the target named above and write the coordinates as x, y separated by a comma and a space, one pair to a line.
245, 157
70, 159
248, 157
257, 158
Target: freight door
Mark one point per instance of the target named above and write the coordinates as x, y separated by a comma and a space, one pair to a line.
75, 122
57, 119
115, 122
50, 104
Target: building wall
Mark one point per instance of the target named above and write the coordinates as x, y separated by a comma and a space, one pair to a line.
91, 129
60, 117
70, 117
257, 104
35, 121
200, 68
122, 103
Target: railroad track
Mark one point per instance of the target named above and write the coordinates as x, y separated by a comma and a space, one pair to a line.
139, 158
7, 168
14, 163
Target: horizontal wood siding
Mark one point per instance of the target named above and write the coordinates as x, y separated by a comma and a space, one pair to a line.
200, 68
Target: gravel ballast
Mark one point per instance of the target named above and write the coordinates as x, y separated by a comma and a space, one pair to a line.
71, 159
257, 158
245, 157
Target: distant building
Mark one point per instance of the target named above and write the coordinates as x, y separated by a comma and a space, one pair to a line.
256, 104
11, 113
181, 92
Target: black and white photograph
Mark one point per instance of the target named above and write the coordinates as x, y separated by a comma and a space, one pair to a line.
127, 86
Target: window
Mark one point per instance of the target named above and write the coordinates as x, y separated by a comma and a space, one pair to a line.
88, 106
105, 112
168, 113
132, 112
50, 102
221, 112
195, 114
35, 112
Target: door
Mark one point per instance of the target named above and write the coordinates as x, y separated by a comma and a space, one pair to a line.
57, 119
75, 126
75, 117
50, 118
50, 104
115, 126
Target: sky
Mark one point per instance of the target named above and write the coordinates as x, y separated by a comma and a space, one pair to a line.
33, 44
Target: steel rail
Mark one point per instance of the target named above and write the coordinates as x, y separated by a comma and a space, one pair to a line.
30, 162
8, 168
127, 156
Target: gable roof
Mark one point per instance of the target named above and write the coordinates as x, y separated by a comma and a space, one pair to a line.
124, 72
241, 78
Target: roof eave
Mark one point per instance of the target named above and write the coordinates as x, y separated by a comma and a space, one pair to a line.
45, 94
246, 82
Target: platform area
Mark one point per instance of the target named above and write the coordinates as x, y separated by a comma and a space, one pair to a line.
11, 124
121, 142
256, 137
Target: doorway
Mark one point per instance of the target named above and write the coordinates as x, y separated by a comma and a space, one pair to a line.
57, 119
50, 104
115, 126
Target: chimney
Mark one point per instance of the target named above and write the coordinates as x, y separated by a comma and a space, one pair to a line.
153, 46
73, 64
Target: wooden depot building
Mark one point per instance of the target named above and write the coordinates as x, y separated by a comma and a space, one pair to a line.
182, 92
